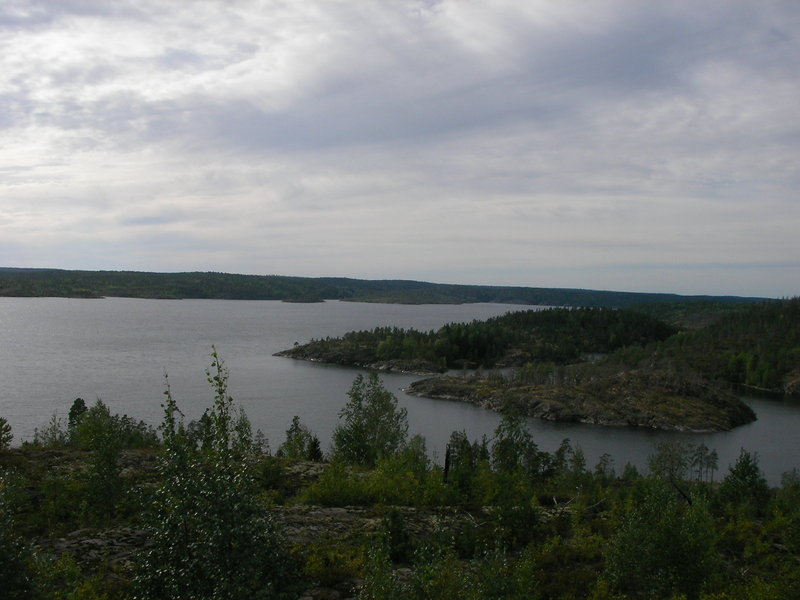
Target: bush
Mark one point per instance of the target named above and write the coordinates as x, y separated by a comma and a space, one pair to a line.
380, 581
54, 435
329, 563
338, 485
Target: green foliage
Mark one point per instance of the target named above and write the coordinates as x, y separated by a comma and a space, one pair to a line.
437, 574
373, 428
397, 537
104, 485
54, 435
556, 336
76, 411
677, 459
664, 547
207, 507
396, 480
5, 434
380, 582
86, 425
495, 575
758, 347
329, 562
338, 485
61, 578
515, 513
690, 315
745, 487
15, 575
300, 443
513, 447
229, 547
788, 494
93, 497
671, 460
61, 504
563, 566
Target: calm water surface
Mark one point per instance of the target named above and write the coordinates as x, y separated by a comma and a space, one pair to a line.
53, 350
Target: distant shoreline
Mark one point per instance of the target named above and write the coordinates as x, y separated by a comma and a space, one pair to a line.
16, 282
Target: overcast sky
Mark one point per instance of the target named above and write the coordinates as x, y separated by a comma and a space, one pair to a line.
623, 145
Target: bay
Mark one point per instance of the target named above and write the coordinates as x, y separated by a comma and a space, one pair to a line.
53, 350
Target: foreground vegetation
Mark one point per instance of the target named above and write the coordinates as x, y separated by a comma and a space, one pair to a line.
131, 284
102, 506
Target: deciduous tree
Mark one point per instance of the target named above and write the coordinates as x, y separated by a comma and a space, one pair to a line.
372, 427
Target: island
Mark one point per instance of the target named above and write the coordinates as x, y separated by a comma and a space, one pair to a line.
651, 399
603, 366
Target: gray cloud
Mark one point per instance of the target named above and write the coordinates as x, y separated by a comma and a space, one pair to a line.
565, 144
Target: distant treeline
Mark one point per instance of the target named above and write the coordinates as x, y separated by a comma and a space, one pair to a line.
131, 284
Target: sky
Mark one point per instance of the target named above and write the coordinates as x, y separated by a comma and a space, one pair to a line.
617, 145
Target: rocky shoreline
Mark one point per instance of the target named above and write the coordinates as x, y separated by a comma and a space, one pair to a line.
654, 400
357, 361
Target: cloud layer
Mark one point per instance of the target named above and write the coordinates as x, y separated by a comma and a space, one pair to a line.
612, 145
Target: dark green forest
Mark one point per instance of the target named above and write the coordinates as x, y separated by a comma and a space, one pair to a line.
132, 284
556, 335
758, 347
752, 345
101, 506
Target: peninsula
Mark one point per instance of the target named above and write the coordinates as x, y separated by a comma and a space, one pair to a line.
603, 366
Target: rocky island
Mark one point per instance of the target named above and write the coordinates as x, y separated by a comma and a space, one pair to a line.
654, 399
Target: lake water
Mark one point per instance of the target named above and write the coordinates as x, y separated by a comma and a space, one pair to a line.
53, 350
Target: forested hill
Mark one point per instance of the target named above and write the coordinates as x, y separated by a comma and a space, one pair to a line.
758, 348
558, 335
132, 284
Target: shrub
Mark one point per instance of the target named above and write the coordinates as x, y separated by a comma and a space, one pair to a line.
54, 435
396, 535
329, 563
380, 581
438, 574
338, 485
